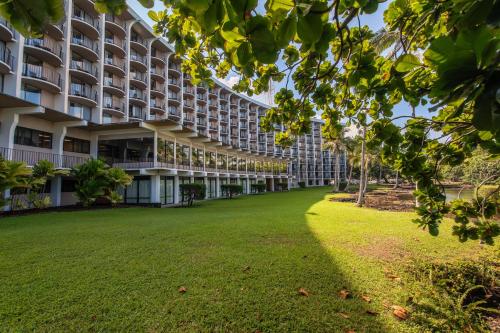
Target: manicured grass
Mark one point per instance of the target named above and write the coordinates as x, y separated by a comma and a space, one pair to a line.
242, 262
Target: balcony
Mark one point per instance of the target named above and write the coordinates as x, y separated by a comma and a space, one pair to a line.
138, 79
138, 61
85, 23
174, 69
115, 65
113, 106
138, 43
189, 104
202, 111
7, 60
157, 107
213, 127
114, 86
32, 157
213, 92
86, 47
115, 25
83, 70
174, 83
213, 116
137, 97
7, 32
174, 98
83, 94
136, 114
188, 120
158, 90
45, 49
158, 58
115, 46
174, 113
42, 77
187, 90
157, 74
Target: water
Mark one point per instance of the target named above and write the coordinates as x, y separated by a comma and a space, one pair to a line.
452, 193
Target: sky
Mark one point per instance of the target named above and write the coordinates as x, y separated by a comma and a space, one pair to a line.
375, 21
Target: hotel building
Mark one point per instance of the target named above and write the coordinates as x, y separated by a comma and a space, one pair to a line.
105, 86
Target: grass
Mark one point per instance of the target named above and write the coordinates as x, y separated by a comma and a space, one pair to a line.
242, 262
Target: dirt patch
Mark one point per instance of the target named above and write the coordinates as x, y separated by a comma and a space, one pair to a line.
382, 248
400, 200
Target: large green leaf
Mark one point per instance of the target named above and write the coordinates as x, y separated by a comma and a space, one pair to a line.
264, 46
286, 31
280, 5
406, 63
244, 54
309, 28
199, 6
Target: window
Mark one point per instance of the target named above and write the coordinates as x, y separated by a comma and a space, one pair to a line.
139, 191
68, 185
34, 138
76, 145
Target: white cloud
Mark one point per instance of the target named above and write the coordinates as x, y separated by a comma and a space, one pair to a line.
263, 98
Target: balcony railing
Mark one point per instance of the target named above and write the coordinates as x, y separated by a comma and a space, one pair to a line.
118, 63
83, 16
32, 157
115, 20
82, 90
46, 44
42, 73
174, 112
86, 42
84, 66
8, 26
114, 41
6, 56
111, 82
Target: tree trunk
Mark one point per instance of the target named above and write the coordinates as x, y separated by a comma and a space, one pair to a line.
361, 194
349, 179
417, 204
379, 174
337, 172
397, 180
367, 172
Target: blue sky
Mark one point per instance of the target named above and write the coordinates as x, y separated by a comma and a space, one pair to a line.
375, 21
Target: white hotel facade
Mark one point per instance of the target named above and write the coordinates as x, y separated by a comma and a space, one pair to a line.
106, 87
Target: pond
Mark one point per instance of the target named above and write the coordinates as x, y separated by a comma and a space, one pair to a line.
452, 193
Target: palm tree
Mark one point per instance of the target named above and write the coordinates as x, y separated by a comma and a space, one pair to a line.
362, 176
42, 171
336, 145
12, 174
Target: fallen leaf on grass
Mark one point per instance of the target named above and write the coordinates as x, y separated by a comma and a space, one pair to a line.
246, 269
372, 313
303, 292
350, 331
344, 315
399, 312
365, 298
182, 290
344, 294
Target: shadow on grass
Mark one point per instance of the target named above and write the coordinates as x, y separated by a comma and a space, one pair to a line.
242, 262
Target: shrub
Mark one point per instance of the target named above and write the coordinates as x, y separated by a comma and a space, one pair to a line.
191, 192
12, 175
96, 180
453, 296
283, 186
342, 186
302, 184
258, 188
229, 190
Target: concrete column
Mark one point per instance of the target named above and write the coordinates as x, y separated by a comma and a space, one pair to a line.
248, 185
207, 186
272, 184
217, 187
55, 191
176, 189
8, 123
94, 145
57, 144
155, 189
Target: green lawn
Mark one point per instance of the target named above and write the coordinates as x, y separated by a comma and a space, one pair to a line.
242, 262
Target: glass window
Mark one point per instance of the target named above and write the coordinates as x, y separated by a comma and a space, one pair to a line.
31, 94
76, 145
34, 138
